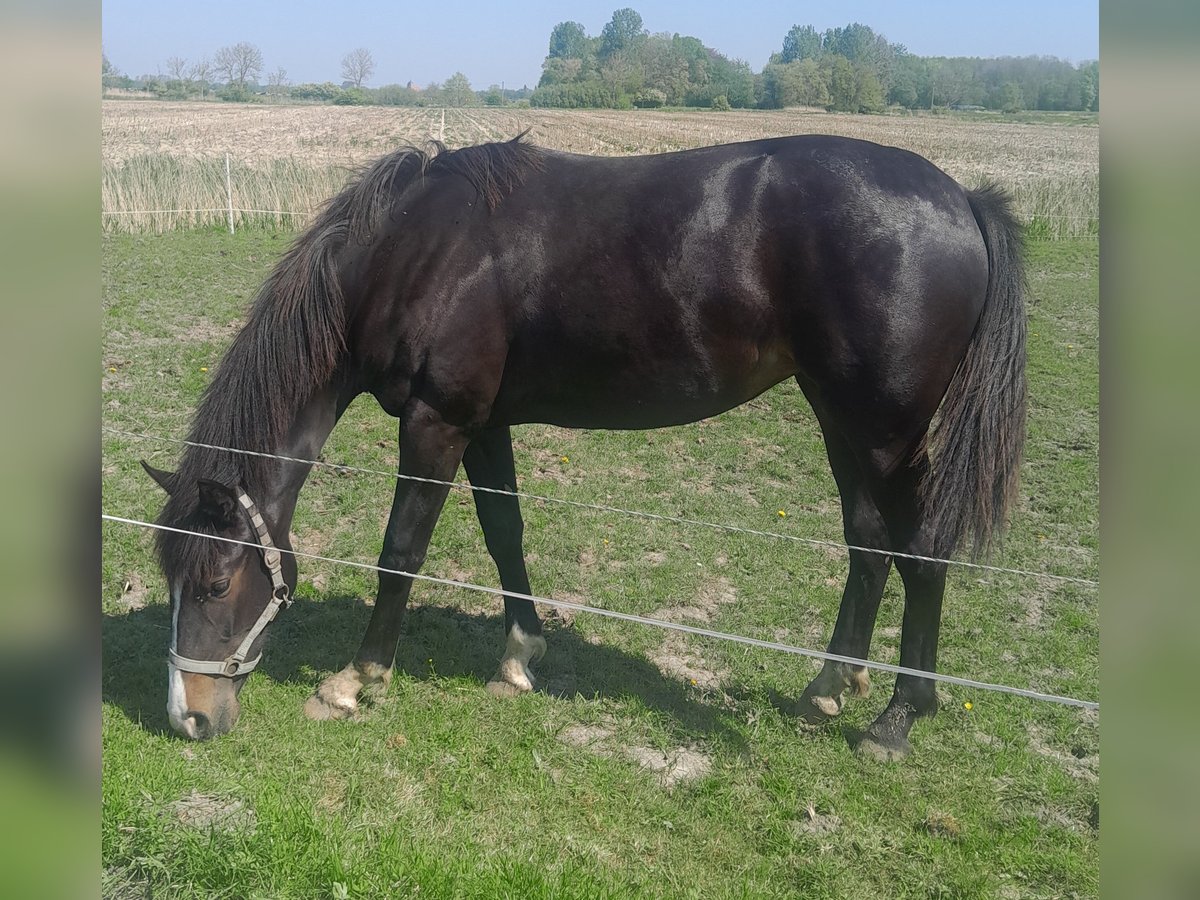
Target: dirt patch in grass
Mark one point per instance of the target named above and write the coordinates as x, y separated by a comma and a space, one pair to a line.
203, 331
133, 593
678, 660
332, 797
711, 596
677, 765
816, 823
198, 810
1080, 764
676, 657
674, 767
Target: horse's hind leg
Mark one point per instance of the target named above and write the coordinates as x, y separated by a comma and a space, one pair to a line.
489, 463
429, 448
864, 527
899, 499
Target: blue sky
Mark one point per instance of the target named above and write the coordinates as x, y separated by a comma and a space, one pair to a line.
494, 42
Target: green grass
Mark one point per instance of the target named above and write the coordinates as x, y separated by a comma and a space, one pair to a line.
439, 788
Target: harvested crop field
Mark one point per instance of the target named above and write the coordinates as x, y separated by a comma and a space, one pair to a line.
170, 156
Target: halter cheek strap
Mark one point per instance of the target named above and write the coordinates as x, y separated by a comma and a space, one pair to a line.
236, 663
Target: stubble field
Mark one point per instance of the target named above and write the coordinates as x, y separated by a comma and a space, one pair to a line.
285, 160
649, 764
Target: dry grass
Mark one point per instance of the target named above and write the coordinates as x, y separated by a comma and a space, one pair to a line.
170, 156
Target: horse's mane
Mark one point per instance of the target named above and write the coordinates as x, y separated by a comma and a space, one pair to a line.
294, 338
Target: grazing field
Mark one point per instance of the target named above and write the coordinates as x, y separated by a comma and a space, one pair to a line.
651, 764
286, 160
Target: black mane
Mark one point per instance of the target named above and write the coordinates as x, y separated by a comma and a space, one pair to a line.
295, 334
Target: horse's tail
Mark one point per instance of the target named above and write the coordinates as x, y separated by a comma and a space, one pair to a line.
976, 445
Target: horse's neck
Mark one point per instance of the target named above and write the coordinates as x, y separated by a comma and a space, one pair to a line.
304, 441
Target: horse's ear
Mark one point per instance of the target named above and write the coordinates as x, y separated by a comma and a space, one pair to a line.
165, 480
218, 503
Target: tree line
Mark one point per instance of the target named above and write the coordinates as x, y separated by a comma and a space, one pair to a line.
850, 69
236, 73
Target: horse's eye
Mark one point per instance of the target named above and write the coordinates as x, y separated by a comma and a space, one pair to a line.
219, 589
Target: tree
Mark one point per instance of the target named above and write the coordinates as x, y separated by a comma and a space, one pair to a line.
560, 70
623, 32
277, 83
110, 75
868, 92
800, 83
177, 68
843, 84
1011, 100
239, 63
201, 74
569, 40
904, 84
457, 91
1089, 86
358, 66
802, 42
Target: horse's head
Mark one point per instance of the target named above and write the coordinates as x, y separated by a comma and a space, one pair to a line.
223, 596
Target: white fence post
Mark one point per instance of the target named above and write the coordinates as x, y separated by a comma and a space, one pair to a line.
229, 193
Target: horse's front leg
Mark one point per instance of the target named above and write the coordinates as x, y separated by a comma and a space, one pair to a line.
489, 464
429, 448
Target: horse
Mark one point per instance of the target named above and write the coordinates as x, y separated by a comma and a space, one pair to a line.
494, 285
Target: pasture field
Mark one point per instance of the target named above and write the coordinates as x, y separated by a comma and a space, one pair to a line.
651, 764
171, 156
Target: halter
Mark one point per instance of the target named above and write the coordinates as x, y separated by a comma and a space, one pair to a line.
235, 663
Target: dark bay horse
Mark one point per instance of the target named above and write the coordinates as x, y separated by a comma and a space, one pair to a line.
500, 284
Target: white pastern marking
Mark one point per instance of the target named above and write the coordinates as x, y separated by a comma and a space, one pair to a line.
519, 650
176, 694
522, 647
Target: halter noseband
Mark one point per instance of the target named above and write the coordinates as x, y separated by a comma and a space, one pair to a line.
235, 663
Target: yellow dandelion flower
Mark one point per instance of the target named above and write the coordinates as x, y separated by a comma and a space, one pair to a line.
565, 459
204, 368
112, 368
968, 706
783, 514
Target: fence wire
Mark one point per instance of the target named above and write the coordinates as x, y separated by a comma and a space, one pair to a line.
598, 507
645, 620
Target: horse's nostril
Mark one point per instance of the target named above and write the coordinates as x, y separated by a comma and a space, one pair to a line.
202, 725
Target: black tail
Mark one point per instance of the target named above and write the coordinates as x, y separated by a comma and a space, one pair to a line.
976, 445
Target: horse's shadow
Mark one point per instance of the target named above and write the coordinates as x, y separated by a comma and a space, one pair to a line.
313, 638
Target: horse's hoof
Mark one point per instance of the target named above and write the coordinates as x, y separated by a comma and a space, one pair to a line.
319, 708
511, 679
504, 691
883, 750
817, 710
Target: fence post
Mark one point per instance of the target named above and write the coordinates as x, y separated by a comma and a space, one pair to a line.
229, 193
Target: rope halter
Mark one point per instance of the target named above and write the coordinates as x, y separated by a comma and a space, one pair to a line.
236, 663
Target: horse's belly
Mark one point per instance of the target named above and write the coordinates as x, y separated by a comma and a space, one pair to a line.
654, 394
